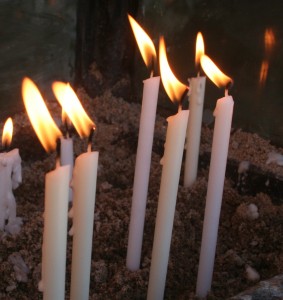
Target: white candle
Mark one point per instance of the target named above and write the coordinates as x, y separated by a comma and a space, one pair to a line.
196, 98
10, 178
84, 189
172, 160
142, 171
55, 233
67, 158
144, 149
56, 197
223, 119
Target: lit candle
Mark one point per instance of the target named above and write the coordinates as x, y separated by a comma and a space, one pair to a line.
223, 118
84, 190
56, 197
144, 150
196, 99
171, 161
66, 151
10, 178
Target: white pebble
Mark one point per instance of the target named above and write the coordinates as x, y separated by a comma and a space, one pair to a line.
274, 157
243, 166
252, 274
253, 211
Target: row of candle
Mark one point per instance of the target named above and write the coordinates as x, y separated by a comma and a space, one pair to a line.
57, 193
185, 125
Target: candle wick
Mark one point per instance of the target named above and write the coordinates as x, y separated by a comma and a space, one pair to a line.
58, 153
183, 98
152, 67
67, 129
90, 139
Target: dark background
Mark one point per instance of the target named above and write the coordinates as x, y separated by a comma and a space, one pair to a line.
64, 40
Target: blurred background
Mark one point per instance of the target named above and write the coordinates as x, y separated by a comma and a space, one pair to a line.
90, 44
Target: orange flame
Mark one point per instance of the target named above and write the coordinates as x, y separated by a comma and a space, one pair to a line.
73, 108
40, 118
199, 49
7, 133
174, 88
144, 42
65, 119
269, 41
214, 73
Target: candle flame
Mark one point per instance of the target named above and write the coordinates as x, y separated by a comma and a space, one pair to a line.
7, 133
269, 41
199, 49
40, 118
214, 73
65, 119
144, 42
173, 87
71, 104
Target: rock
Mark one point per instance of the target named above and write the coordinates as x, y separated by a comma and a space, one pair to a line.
267, 289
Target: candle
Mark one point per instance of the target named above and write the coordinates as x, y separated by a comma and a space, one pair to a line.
223, 118
172, 160
196, 99
144, 149
84, 190
66, 151
10, 178
55, 200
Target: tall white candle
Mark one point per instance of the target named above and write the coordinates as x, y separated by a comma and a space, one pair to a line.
223, 119
84, 189
67, 158
172, 160
55, 233
144, 149
56, 197
142, 171
196, 98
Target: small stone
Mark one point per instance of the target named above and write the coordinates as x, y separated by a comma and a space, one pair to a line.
252, 274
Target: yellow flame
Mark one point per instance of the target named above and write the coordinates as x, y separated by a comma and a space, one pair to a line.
73, 108
173, 87
40, 118
214, 73
65, 119
7, 133
144, 42
199, 48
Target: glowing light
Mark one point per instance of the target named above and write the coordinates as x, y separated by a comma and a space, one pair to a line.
73, 108
214, 73
173, 87
40, 118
